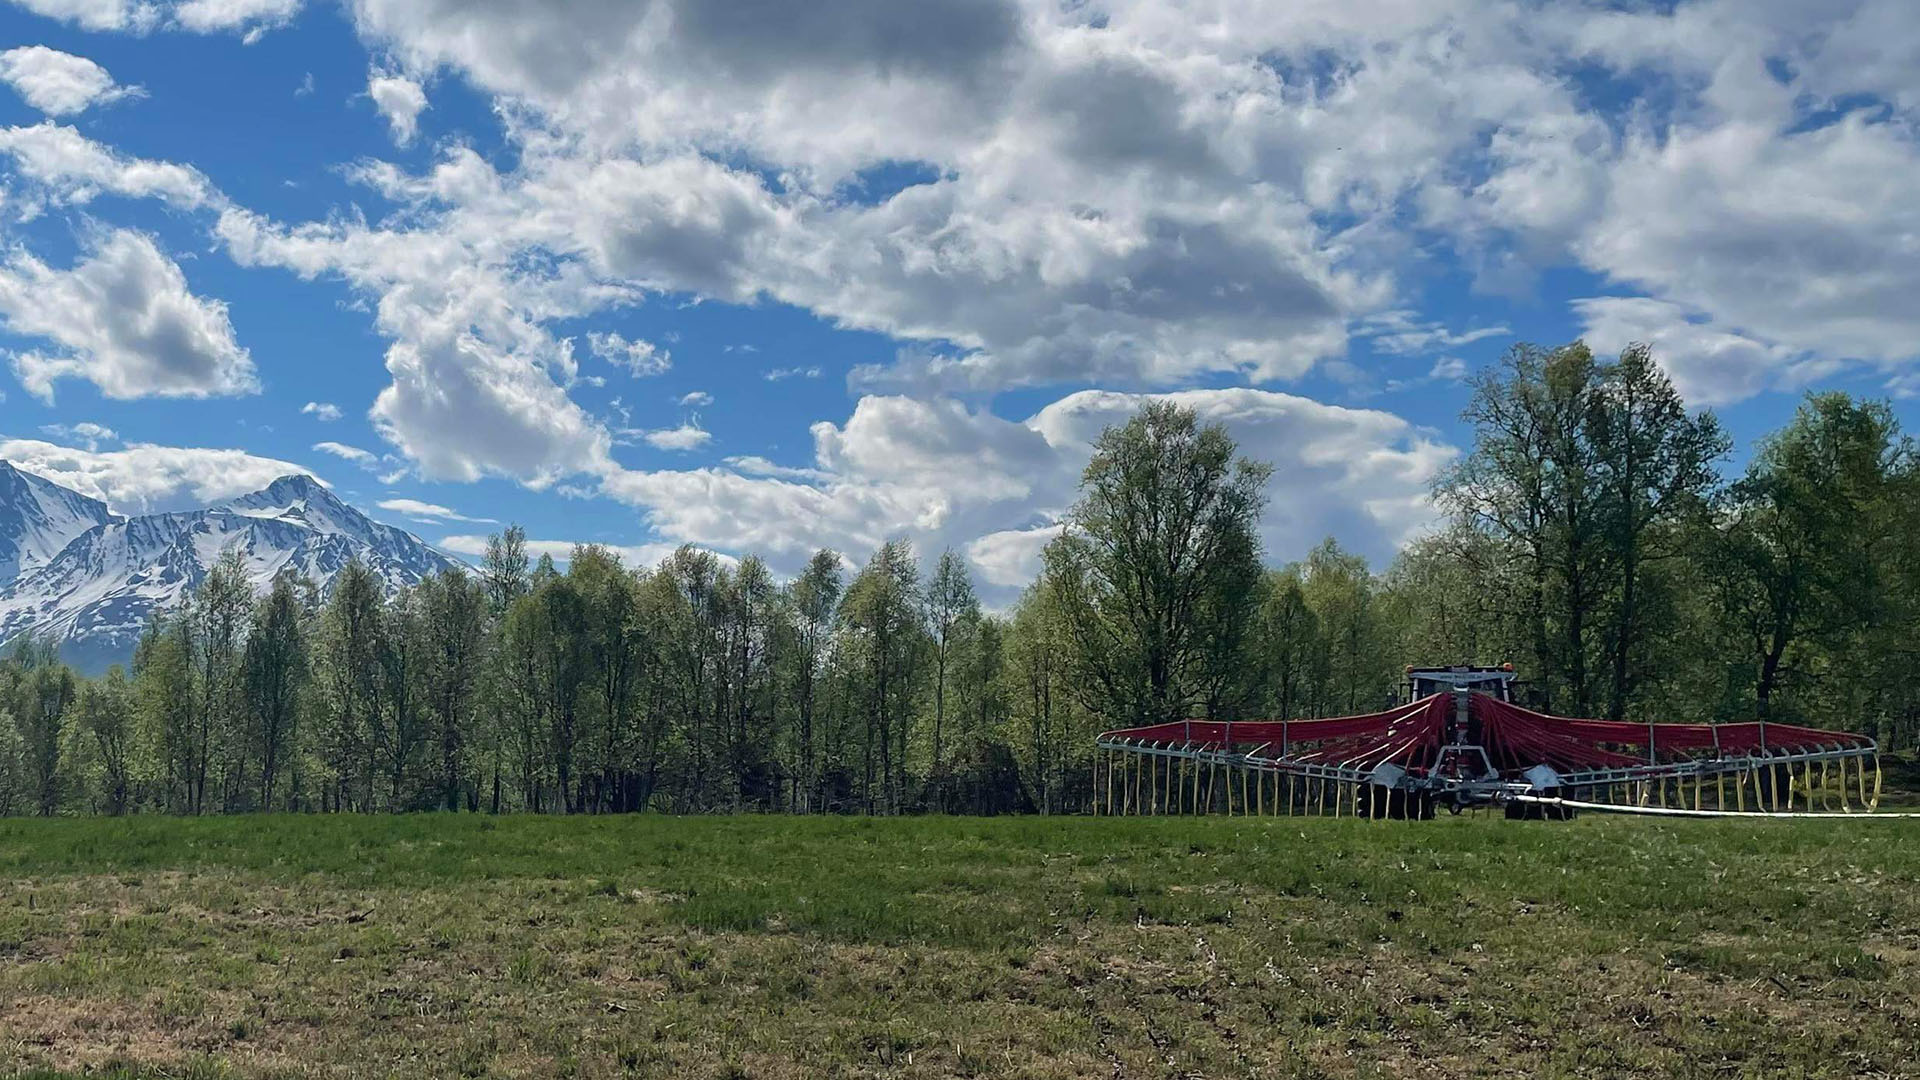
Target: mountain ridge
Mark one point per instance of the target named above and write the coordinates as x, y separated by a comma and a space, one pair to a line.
41, 517
97, 589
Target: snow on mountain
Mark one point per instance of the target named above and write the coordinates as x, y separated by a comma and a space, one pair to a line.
38, 517
97, 590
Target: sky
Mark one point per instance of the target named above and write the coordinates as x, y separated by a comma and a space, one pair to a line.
767, 277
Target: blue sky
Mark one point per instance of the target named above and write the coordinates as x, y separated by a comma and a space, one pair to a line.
772, 278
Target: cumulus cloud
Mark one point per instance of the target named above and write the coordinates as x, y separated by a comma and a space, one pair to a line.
1708, 365
476, 378
1771, 217
136, 16
86, 433
696, 398
947, 475
756, 465
323, 411
60, 83
1168, 190
250, 17
123, 319
1801, 240
400, 100
1143, 195
1128, 200
1010, 558
143, 478
66, 167
1035, 239
428, 512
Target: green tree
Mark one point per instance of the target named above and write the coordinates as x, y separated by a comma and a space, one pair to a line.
1655, 467
1288, 645
880, 614
952, 608
276, 673
1153, 564
402, 728
453, 610
1805, 534
815, 595
220, 610
104, 708
40, 696
504, 569
351, 689
1039, 673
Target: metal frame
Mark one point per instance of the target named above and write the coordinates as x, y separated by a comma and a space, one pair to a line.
1482, 784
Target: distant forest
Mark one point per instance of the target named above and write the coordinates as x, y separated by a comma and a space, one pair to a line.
1590, 537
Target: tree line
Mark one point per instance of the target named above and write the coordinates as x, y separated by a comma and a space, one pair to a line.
1592, 536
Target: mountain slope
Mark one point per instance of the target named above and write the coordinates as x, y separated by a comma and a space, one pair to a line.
38, 517
102, 586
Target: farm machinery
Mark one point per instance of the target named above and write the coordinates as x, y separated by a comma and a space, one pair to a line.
1457, 740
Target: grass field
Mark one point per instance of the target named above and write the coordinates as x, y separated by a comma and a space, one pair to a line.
749, 947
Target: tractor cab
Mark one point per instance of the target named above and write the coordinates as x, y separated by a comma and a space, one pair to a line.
1460, 679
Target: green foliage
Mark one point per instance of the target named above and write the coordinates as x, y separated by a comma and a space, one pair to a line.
1156, 572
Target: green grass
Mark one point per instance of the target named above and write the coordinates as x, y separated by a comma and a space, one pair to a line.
645, 946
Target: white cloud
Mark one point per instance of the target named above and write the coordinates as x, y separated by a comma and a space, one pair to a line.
1802, 241
1708, 365
1010, 558
366, 459
136, 16
324, 411
428, 512
1176, 189
777, 374
142, 477
60, 83
640, 358
1140, 196
125, 321
756, 465
1404, 333
1047, 242
474, 388
696, 398
1770, 221
949, 476
86, 432
68, 167
253, 17
1351, 473
1171, 189
400, 100
688, 436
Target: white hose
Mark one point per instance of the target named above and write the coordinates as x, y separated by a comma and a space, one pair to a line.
1661, 811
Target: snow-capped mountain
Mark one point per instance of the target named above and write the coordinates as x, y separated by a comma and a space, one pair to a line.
96, 591
38, 517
